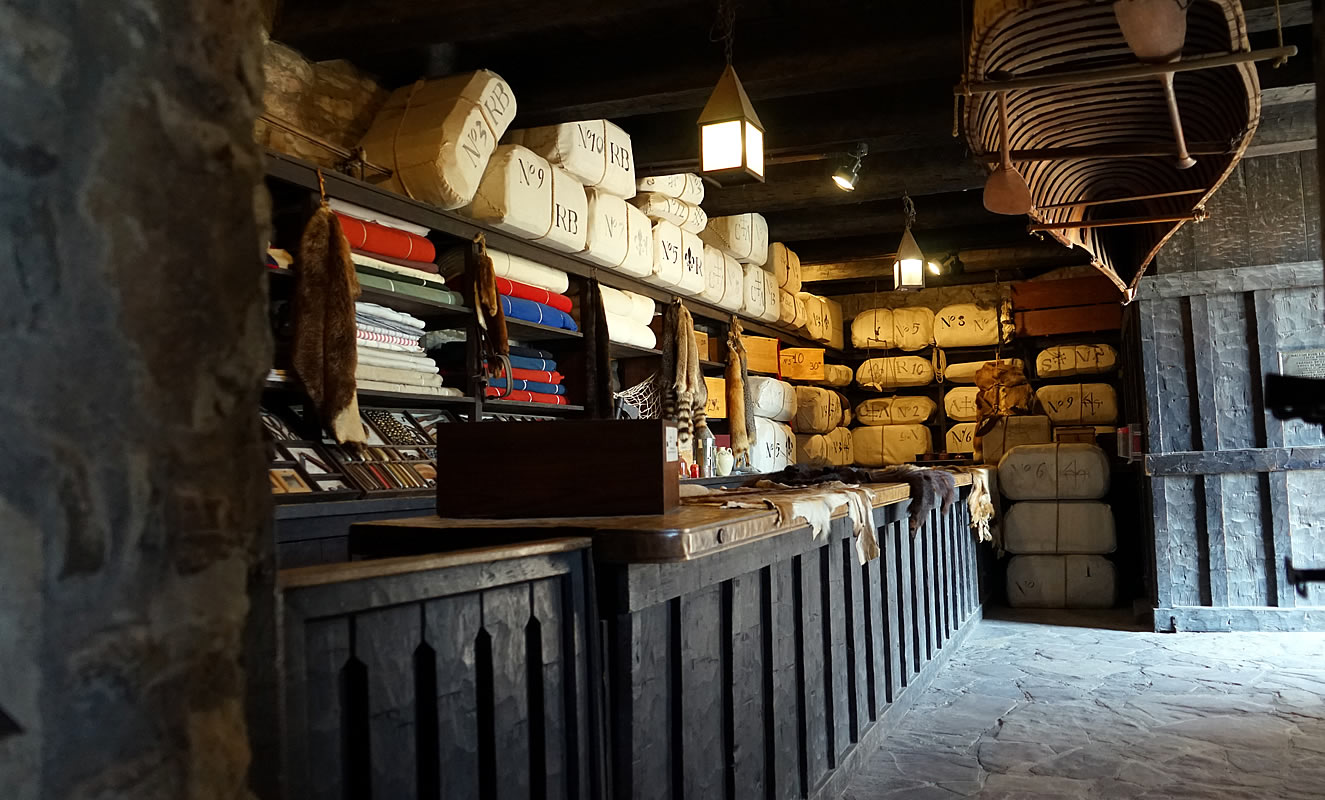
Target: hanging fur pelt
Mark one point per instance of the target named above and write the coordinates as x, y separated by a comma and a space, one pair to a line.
927, 485
325, 332
740, 412
667, 373
485, 298
688, 382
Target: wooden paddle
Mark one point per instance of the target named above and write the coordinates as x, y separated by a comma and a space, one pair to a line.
1006, 191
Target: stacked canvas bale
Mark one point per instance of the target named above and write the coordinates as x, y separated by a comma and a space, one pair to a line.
907, 329
438, 136
1071, 405
524, 195
821, 435
628, 317
1057, 529
671, 202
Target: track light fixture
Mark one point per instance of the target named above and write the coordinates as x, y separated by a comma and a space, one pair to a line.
846, 175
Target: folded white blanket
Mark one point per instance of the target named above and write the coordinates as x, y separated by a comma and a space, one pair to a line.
368, 215
385, 358
374, 310
391, 333
393, 375
395, 348
384, 386
408, 272
625, 330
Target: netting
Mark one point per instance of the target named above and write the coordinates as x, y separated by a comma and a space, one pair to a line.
645, 396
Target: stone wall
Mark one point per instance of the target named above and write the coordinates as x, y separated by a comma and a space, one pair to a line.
332, 100
134, 510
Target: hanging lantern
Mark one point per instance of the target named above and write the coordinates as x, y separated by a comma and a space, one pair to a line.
909, 268
731, 137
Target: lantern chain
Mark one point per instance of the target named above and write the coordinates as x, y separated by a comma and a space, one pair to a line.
724, 28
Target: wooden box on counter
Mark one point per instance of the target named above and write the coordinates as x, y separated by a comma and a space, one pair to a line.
571, 468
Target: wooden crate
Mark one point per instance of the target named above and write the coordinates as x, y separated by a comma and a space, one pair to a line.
761, 354
1076, 319
802, 363
716, 407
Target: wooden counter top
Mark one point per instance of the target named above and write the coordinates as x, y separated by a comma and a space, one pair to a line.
688, 532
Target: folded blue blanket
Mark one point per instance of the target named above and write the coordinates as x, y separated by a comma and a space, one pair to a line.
528, 386
527, 352
529, 311
520, 362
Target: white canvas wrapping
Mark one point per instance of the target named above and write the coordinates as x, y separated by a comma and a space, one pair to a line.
772, 299
627, 304
595, 152
961, 438
834, 447
1081, 527
1060, 471
626, 330
899, 410
685, 186
959, 404
772, 398
816, 316
1009, 432
692, 263
1082, 359
965, 325
522, 270
522, 194
660, 207
774, 446
743, 236
894, 372
450, 129
838, 375
965, 371
755, 286
645, 307
639, 256
1079, 403
1061, 582
908, 329
715, 275
668, 255
835, 326
733, 294
817, 410
607, 242
801, 314
885, 445
786, 309
786, 267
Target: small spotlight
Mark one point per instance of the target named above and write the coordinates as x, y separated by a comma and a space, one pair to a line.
934, 267
848, 174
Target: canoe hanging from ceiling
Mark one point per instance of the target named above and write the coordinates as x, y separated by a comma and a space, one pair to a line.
1114, 140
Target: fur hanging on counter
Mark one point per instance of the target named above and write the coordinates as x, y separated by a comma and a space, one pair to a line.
325, 332
927, 485
684, 383
740, 411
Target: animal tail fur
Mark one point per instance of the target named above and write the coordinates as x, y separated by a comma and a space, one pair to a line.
740, 424
667, 373
325, 352
695, 378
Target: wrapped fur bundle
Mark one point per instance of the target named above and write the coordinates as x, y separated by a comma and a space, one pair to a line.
325, 353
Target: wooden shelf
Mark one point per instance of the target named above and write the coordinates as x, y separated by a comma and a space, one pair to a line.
377, 397
433, 312
519, 406
619, 350
537, 332
302, 173
707, 364
362, 505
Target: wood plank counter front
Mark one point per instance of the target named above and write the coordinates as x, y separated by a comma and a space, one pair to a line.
742, 657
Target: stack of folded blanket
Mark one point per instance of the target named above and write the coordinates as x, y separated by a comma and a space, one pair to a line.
535, 304
533, 379
628, 318
391, 254
390, 357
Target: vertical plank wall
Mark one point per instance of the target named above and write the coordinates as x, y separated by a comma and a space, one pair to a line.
1233, 490
769, 670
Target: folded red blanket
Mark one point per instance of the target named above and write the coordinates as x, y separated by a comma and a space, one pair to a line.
523, 290
536, 375
421, 266
376, 239
530, 397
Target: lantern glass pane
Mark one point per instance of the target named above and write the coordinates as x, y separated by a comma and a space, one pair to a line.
909, 274
721, 145
754, 149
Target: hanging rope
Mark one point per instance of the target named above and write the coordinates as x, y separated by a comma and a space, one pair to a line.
1279, 32
908, 210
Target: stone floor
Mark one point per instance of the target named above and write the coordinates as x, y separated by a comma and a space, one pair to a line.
1045, 707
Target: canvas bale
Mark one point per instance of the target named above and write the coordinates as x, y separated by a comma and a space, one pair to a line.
964, 372
834, 448
685, 186
1061, 582
755, 286
743, 236
838, 375
1006, 433
895, 371
658, 206
898, 410
1079, 403
715, 275
772, 304
959, 403
1059, 526
692, 263
1064, 361
733, 294
668, 255
524, 195
772, 398
887, 445
961, 438
774, 447
818, 410
785, 266
1060, 471
965, 325
596, 153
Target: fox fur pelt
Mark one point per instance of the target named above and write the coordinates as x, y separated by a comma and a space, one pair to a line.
740, 412
486, 300
683, 385
325, 354
928, 486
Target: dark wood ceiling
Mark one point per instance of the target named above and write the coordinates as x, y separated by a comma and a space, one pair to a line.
823, 76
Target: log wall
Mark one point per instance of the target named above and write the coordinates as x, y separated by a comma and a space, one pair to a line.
1233, 490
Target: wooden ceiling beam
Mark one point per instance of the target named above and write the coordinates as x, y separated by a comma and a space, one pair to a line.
809, 185
936, 244
1259, 14
933, 212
